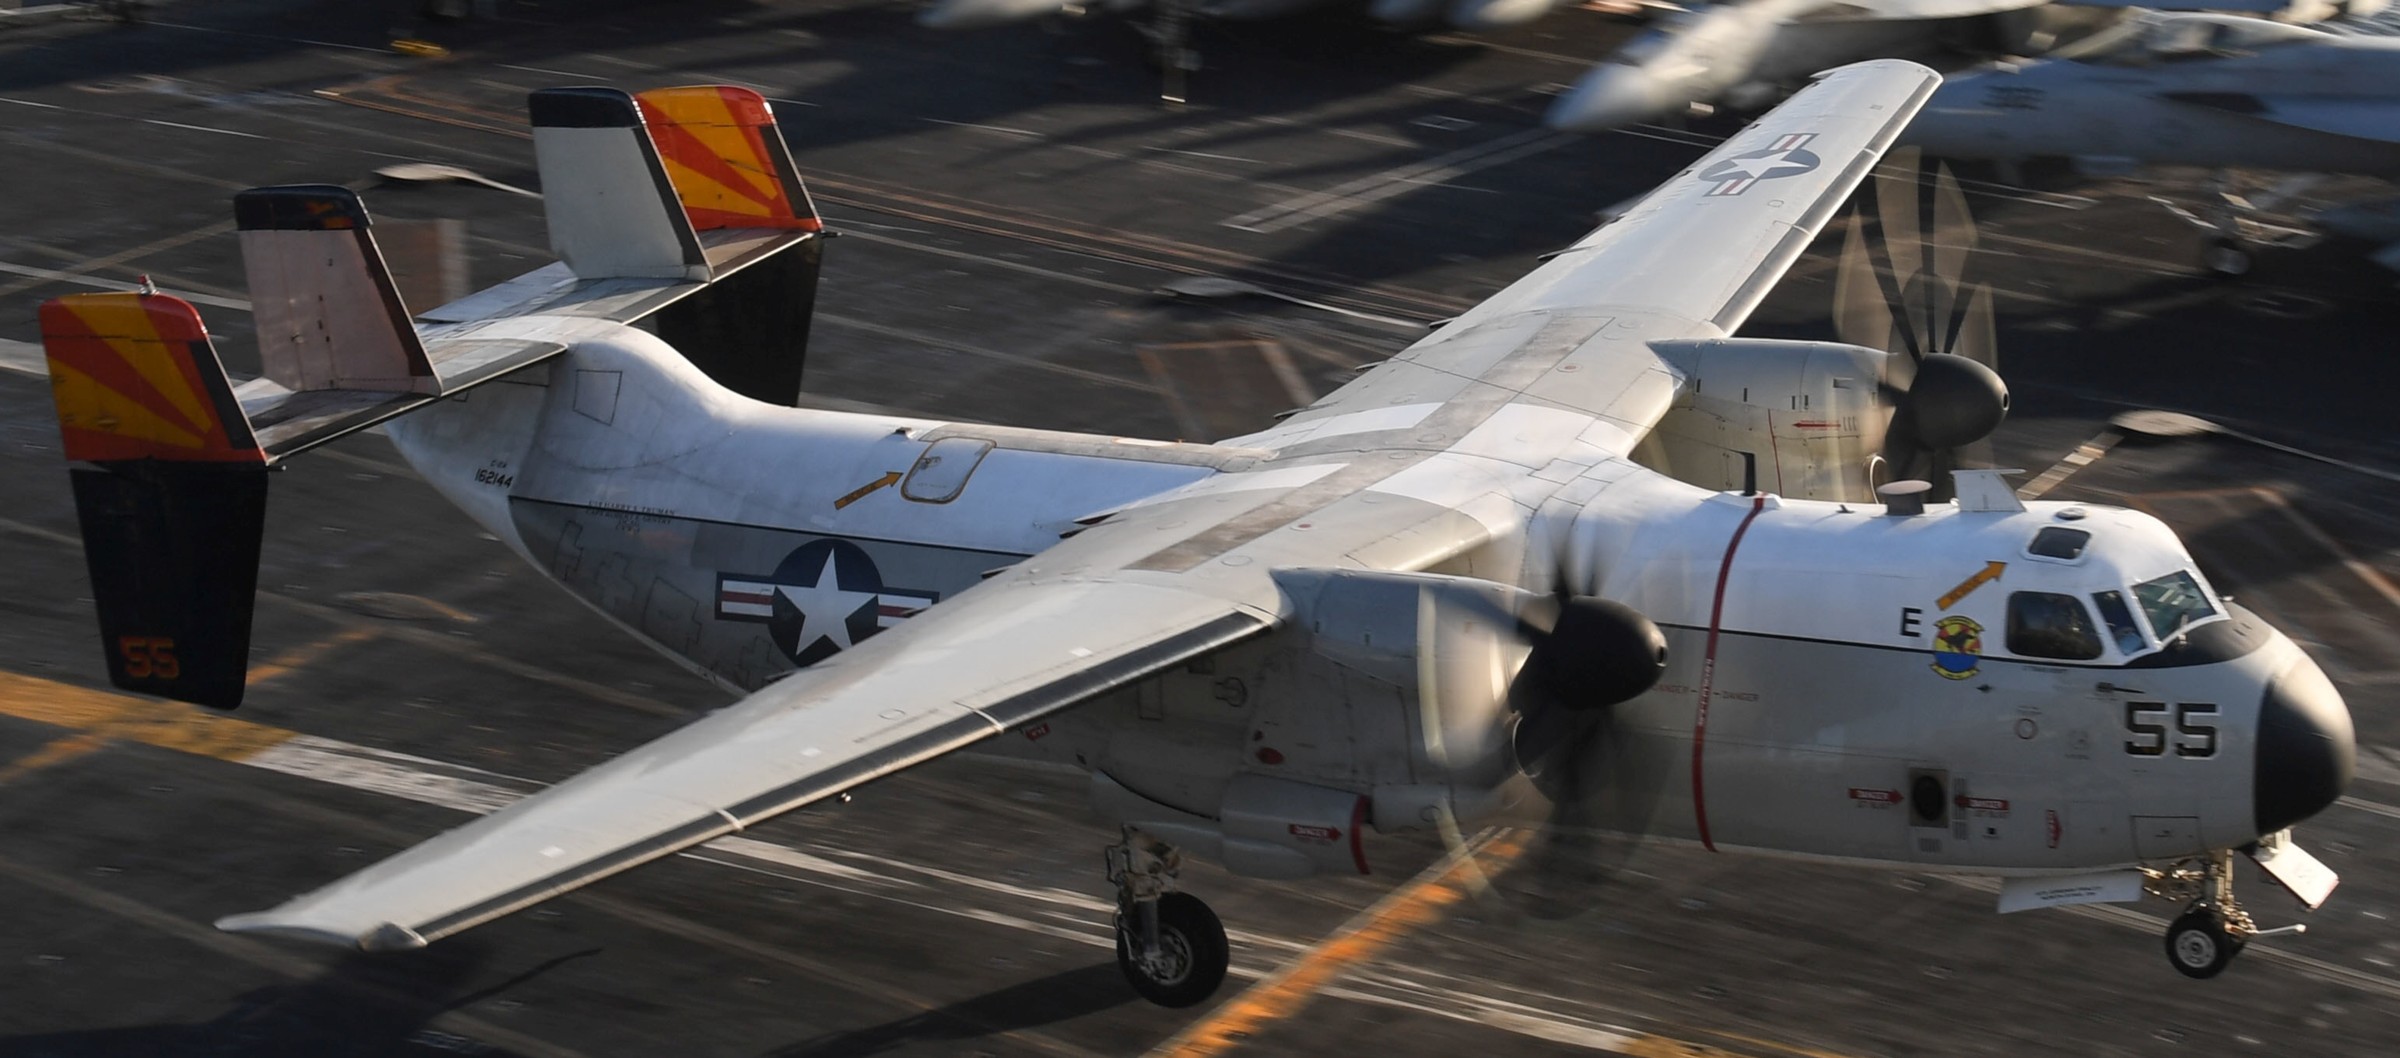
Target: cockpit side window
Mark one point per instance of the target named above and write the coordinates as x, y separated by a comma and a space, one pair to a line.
2172, 603
2128, 636
2049, 625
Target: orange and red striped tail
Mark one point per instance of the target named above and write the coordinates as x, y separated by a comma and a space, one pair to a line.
134, 377
728, 162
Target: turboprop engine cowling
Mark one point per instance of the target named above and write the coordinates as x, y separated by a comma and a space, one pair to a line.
1438, 653
1809, 416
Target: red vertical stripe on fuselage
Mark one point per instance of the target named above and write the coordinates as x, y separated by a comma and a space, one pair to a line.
1708, 674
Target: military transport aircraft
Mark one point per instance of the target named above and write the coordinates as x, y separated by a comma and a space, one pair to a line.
1457, 591
2208, 90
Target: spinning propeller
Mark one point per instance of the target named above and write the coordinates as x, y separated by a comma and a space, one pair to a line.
1943, 380
1586, 655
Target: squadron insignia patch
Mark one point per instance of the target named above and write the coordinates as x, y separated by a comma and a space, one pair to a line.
1957, 647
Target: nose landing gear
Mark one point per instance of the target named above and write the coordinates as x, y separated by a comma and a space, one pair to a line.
1170, 946
2213, 927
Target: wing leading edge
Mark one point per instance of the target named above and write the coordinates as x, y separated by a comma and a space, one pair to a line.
1713, 239
986, 662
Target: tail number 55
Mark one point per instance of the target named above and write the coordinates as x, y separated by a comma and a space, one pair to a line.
2195, 733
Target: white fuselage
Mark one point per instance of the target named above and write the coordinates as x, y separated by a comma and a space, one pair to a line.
1804, 696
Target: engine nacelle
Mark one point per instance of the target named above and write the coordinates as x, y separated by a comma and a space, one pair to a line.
1432, 656
1383, 702
1264, 827
1812, 414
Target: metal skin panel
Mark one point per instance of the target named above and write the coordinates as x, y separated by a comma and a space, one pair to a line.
1811, 415
2322, 103
612, 212
1170, 560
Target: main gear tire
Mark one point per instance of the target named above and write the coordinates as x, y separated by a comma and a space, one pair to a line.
1192, 953
2199, 944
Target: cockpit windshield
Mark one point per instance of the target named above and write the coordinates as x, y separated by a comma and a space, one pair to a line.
2173, 603
2183, 39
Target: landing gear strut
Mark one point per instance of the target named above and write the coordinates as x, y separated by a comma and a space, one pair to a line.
2213, 927
1169, 945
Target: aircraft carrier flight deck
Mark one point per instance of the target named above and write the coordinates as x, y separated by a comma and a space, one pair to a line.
1010, 205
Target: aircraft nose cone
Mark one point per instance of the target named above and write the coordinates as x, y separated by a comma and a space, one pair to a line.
2307, 750
1611, 96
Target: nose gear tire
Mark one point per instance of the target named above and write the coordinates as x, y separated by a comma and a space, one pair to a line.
1192, 953
2199, 944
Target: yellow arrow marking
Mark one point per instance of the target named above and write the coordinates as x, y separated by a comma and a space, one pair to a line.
889, 479
1989, 573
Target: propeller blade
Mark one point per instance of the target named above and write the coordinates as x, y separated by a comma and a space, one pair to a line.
1861, 313
1897, 204
1978, 336
1953, 229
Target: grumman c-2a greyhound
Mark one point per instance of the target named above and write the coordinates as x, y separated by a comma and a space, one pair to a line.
1457, 591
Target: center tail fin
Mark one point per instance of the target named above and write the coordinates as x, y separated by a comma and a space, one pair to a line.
694, 184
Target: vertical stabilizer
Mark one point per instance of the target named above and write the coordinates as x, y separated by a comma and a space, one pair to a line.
172, 495
613, 212
134, 377
328, 314
727, 162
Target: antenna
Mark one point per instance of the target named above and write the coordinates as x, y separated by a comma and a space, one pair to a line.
1749, 473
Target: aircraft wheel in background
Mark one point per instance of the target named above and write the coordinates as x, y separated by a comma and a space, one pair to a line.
2226, 257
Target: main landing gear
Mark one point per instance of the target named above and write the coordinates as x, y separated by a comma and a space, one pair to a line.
2213, 927
1169, 945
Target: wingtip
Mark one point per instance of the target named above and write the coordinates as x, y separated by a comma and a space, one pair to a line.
390, 936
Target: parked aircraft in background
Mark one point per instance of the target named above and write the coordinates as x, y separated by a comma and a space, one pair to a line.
1579, 555
1746, 54
2206, 90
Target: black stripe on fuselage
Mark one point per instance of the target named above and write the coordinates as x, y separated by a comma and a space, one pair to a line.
2198, 649
1012, 556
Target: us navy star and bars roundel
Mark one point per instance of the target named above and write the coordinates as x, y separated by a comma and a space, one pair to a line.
822, 598
1787, 156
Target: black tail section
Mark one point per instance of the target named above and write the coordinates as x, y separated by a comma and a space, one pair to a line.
748, 331
173, 554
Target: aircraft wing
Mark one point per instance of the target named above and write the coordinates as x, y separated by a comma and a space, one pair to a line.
2355, 117
988, 661
1712, 240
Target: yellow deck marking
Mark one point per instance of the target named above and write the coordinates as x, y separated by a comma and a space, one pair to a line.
1283, 993
2374, 578
307, 653
102, 714
57, 751
889, 479
1990, 572
2083, 456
